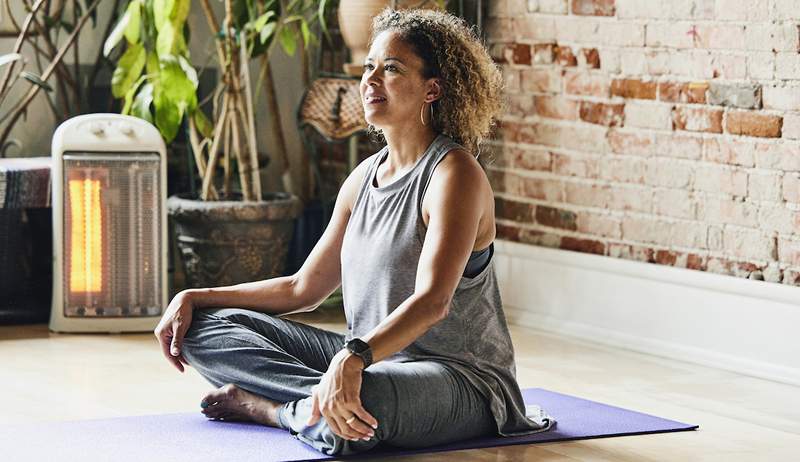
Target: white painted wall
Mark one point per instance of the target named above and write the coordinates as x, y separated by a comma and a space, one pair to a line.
750, 327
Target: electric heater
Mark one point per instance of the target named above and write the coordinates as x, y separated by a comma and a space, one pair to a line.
109, 225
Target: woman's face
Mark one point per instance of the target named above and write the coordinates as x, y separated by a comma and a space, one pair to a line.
392, 87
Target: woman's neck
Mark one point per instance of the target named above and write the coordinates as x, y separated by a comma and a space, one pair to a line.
405, 148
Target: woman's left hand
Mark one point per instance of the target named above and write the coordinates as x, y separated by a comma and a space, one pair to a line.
338, 399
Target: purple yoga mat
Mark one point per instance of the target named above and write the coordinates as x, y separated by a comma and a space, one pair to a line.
190, 436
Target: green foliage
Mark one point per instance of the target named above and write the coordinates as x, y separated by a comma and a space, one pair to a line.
155, 76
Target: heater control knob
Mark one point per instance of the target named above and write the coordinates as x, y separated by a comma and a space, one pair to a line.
97, 129
127, 130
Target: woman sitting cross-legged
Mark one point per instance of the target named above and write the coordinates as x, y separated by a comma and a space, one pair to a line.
427, 358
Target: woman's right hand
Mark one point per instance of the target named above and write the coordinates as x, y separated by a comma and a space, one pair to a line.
173, 326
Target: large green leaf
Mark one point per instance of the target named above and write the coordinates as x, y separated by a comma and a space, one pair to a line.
287, 40
203, 124
9, 57
142, 102
117, 33
152, 64
305, 31
166, 40
180, 11
128, 69
130, 94
266, 32
168, 114
36, 80
134, 11
190, 71
177, 85
162, 12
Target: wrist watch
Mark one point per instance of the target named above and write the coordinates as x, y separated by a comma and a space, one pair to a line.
361, 349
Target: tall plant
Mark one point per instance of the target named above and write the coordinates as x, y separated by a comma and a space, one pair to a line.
158, 82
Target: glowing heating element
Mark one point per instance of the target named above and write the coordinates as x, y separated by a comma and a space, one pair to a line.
86, 259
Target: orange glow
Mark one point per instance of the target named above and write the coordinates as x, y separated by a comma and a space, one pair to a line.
86, 236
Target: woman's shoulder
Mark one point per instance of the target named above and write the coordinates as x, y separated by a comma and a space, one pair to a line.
458, 163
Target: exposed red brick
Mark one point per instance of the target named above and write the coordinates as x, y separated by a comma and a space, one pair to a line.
631, 252
555, 218
541, 80
498, 52
633, 88
513, 210
519, 104
564, 56
592, 57
791, 277
521, 53
594, 7
541, 238
583, 245
750, 123
683, 92
544, 53
556, 107
634, 143
529, 159
511, 233
697, 119
696, 262
666, 257
585, 83
609, 115
496, 178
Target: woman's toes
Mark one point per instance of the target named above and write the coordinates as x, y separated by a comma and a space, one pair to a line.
221, 394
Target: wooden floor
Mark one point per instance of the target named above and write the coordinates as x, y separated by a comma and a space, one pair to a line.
49, 377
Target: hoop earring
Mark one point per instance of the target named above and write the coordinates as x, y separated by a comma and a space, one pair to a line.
422, 111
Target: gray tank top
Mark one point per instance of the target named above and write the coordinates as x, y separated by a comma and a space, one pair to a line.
381, 249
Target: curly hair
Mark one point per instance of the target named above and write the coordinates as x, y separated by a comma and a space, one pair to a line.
450, 50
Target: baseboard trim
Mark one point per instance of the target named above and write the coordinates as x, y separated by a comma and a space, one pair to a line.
749, 327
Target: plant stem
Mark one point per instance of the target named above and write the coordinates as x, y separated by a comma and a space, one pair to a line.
249, 120
197, 149
18, 46
279, 146
213, 152
19, 108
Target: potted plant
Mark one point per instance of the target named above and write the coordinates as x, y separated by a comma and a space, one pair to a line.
231, 231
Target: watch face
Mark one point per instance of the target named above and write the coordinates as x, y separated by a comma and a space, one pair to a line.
357, 346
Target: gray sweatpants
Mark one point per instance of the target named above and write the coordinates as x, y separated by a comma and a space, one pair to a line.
417, 404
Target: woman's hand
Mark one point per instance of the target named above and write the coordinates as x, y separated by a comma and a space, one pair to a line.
173, 326
337, 398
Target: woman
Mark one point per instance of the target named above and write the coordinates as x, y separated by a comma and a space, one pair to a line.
427, 358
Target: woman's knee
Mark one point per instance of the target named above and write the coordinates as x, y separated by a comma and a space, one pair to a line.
380, 400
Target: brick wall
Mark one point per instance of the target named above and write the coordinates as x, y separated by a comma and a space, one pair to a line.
660, 131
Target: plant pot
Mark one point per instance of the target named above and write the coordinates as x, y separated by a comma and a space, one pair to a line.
355, 25
229, 242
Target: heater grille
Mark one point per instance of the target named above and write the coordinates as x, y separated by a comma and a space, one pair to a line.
112, 223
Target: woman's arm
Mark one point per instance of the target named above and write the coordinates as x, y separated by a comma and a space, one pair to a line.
319, 276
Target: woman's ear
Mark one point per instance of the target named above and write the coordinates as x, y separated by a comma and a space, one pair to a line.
434, 90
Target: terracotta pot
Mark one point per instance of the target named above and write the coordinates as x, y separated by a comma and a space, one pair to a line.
355, 24
228, 242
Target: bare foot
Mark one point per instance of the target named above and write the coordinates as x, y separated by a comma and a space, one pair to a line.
232, 403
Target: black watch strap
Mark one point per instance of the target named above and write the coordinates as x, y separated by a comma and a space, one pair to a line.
361, 349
